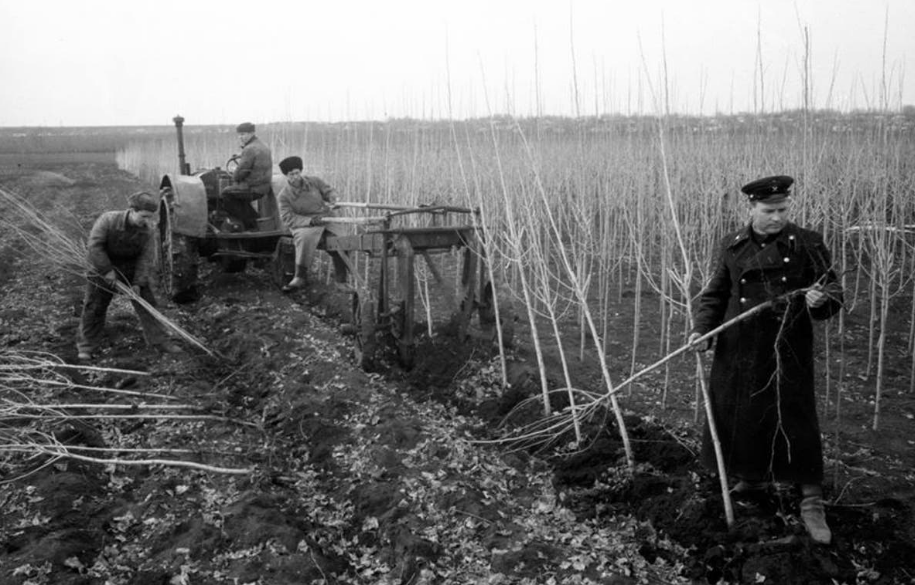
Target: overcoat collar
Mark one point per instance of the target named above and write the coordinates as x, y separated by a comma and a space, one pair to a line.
787, 236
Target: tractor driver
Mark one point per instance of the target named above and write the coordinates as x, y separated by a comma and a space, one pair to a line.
251, 176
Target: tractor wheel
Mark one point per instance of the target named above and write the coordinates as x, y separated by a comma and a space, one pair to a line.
364, 322
178, 260
283, 263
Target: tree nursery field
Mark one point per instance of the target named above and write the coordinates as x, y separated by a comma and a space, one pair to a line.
275, 459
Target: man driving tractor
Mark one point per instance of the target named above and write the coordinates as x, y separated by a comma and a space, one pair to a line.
251, 177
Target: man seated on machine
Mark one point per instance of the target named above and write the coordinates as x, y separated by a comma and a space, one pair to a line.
303, 203
252, 177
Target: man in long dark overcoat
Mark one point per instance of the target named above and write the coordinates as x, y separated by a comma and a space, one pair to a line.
762, 379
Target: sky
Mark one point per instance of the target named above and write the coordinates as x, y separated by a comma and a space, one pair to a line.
140, 62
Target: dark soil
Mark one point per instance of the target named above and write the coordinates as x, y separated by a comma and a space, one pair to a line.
395, 476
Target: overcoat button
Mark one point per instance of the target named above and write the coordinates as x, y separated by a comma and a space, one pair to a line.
743, 299
787, 259
784, 279
743, 281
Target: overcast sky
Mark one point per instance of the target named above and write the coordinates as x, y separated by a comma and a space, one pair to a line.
120, 62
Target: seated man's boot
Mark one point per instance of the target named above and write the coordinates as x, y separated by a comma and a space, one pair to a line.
814, 517
298, 281
295, 283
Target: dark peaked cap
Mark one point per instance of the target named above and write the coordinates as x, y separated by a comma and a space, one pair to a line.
769, 188
290, 163
245, 127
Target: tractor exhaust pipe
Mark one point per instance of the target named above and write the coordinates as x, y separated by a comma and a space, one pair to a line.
183, 167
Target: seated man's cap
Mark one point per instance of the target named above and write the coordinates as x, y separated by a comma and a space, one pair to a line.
245, 127
769, 189
143, 201
291, 163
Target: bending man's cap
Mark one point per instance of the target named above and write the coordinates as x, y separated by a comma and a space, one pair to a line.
291, 163
769, 189
245, 127
143, 201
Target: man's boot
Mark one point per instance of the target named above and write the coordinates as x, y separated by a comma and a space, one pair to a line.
814, 516
298, 281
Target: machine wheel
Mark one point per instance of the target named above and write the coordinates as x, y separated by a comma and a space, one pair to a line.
283, 263
178, 259
364, 322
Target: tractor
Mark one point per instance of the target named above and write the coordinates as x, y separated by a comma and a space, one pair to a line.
381, 252
193, 224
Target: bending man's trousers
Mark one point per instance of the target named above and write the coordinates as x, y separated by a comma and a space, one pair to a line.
95, 308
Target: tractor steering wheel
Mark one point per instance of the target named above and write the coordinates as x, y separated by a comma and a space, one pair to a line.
232, 163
